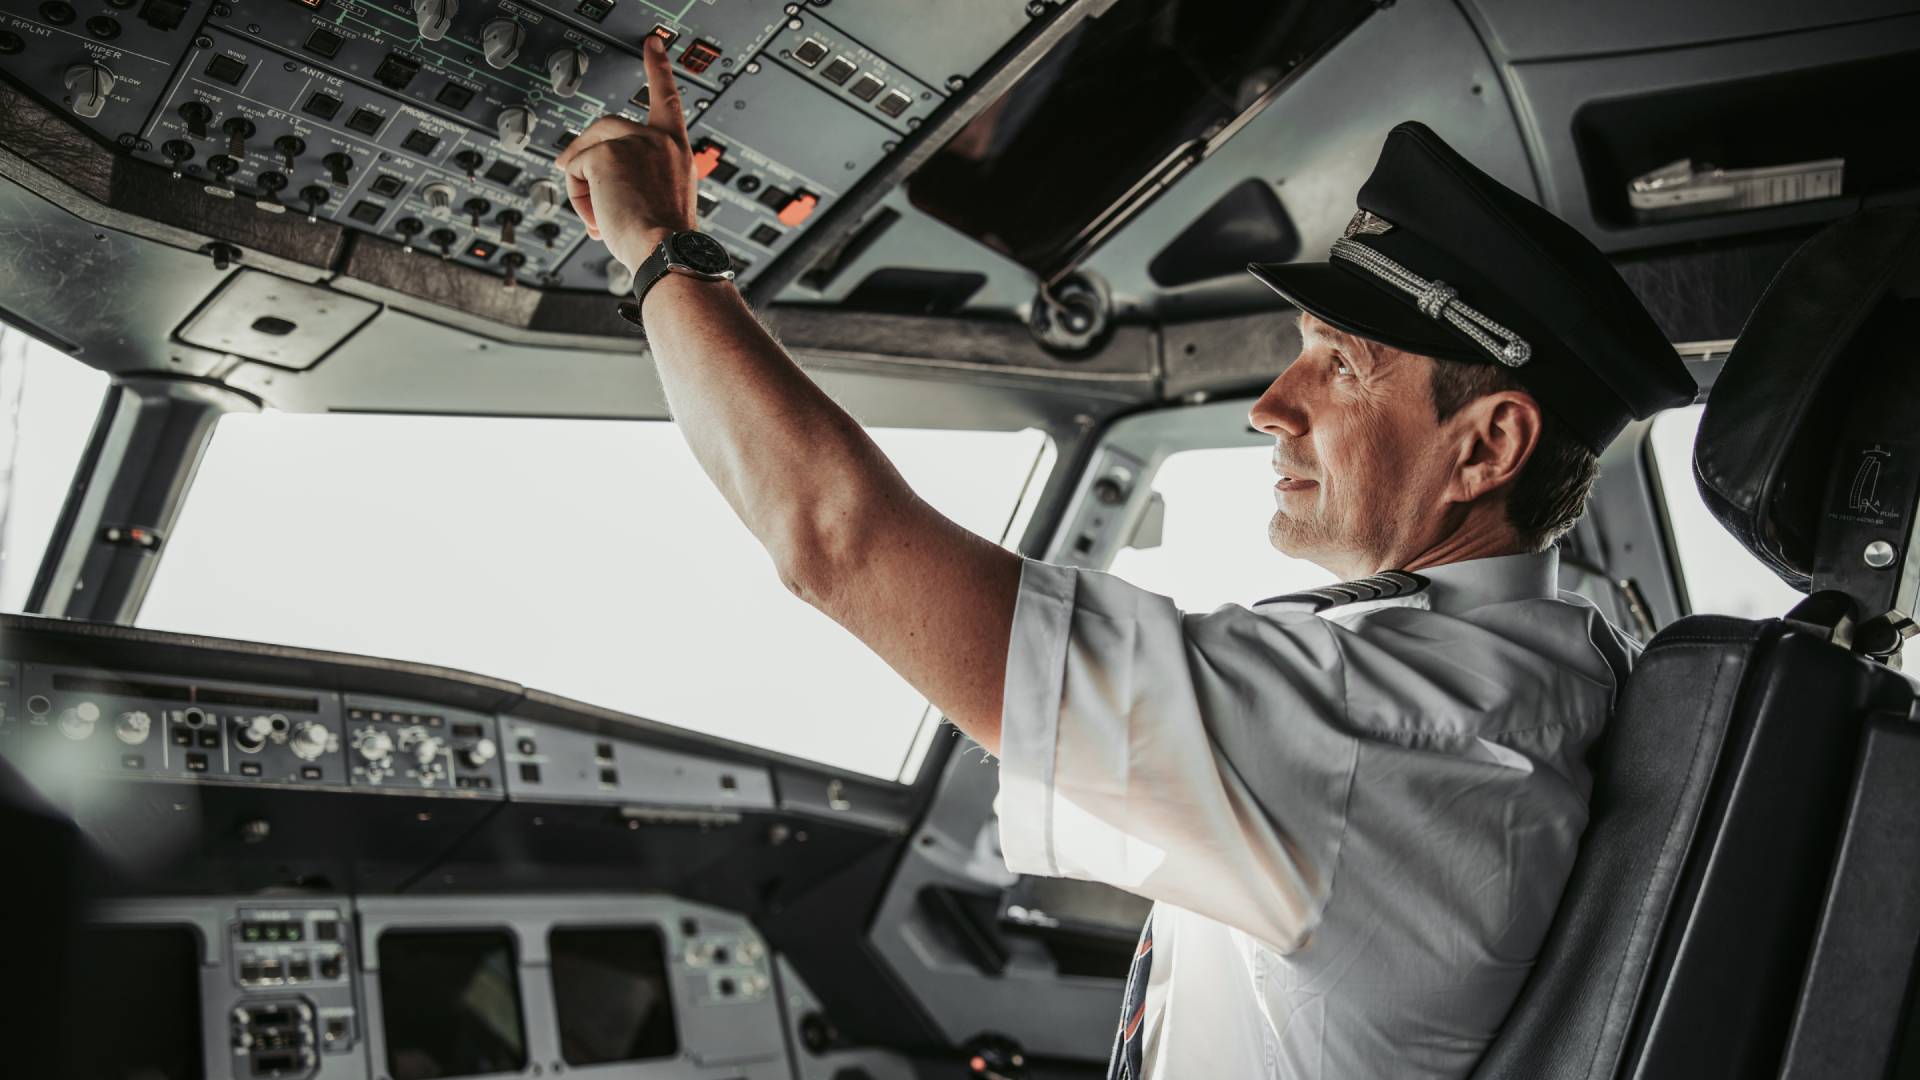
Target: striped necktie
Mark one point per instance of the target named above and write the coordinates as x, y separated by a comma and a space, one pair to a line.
1125, 1063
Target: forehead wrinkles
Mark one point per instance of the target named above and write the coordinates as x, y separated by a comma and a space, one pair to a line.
1313, 329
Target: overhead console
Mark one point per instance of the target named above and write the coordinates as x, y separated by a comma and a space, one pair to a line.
374, 136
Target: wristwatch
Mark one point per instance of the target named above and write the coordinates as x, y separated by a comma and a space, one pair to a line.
694, 254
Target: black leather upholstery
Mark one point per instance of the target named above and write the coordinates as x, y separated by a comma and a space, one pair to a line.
1718, 794
1775, 420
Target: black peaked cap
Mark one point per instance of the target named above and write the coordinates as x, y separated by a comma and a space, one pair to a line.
1593, 356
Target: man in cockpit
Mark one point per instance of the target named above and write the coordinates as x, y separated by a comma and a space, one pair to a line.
1355, 807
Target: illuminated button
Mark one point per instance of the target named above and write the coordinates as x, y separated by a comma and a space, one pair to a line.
706, 158
480, 249
699, 56
798, 209
665, 33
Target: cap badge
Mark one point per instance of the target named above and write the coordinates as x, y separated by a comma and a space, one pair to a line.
1365, 223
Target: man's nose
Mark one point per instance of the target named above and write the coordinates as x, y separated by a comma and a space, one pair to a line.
1278, 411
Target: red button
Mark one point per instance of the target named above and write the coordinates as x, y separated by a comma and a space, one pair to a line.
705, 160
798, 209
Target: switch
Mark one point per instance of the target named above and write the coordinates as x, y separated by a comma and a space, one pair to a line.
337, 165
706, 158
433, 17
474, 208
515, 128
89, 84
198, 116
501, 40
469, 160
506, 219
799, 208
239, 129
565, 69
699, 56
290, 147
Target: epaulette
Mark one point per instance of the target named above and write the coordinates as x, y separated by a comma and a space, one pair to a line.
1388, 585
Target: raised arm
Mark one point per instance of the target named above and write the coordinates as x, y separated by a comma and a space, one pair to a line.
845, 532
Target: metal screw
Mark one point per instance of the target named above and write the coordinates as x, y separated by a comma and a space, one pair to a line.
1878, 555
955, 82
1036, 9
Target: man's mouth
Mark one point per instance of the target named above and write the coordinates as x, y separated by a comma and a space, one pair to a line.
1292, 483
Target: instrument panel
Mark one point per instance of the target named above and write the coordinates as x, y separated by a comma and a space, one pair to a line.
433, 124
345, 988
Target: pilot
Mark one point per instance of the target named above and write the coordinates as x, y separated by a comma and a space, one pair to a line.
1355, 807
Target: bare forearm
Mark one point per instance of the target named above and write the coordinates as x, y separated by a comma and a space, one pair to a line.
793, 465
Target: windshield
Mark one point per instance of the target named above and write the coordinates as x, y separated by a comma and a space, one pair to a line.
589, 558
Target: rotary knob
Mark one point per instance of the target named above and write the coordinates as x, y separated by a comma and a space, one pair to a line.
425, 748
251, 734
375, 746
439, 197
309, 740
501, 40
434, 16
619, 278
479, 754
133, 727
514, 128
565, 69
89, 84
77, 723
544, 198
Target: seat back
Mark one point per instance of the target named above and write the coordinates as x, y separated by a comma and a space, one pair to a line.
1718, 792
1722, 786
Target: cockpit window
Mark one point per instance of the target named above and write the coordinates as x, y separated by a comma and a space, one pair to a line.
590, 558
1213, 546
48, 402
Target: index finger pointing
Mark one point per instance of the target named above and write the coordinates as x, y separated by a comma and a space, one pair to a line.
663, 93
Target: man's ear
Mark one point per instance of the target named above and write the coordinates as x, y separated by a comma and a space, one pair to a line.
1498, 433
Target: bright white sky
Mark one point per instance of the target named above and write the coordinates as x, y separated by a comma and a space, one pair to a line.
592, 559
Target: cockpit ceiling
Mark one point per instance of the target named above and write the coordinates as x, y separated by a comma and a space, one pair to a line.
897, 180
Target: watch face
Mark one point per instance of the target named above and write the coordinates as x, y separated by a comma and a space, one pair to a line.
700, 252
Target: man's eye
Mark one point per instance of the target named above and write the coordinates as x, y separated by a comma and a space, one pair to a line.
1340, 366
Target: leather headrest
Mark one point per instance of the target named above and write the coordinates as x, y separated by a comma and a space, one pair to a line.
1777, 418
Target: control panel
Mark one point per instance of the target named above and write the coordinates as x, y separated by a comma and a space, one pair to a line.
434, 123
415, 745
349, 988
144, 725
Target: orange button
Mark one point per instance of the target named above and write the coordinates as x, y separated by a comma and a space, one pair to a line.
705, 160
798, 209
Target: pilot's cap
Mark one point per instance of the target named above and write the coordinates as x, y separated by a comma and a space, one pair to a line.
1443, 260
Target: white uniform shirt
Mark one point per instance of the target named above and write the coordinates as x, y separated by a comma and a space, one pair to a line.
1356, 825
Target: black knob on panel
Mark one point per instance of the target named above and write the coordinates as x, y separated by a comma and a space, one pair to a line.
177, 152
222, 166
198, 116
513, 261
507, 219
444, 239
337, 165
290, 147
408, 228
548, 232
469, 160
476, 207
273, 183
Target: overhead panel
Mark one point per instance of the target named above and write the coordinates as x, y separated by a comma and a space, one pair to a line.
434, 124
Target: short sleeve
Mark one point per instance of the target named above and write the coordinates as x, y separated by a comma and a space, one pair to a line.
1198, 760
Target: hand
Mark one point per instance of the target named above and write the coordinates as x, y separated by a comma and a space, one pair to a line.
633, 183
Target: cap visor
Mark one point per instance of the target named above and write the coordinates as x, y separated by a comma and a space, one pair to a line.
1347, 300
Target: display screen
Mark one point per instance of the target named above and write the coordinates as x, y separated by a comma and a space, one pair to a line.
450, 1001
147, 979
610, 989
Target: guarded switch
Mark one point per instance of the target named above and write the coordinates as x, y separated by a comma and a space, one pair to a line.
90, 85
501, 40
565, 69
439, 198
